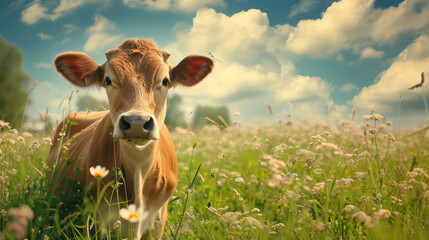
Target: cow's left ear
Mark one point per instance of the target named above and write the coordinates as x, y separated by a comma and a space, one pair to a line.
191, 70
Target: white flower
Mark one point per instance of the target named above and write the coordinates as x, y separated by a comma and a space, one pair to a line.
373, 131
98, 171
131, 214
350, 208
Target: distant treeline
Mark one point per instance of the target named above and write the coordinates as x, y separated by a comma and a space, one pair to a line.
175, 116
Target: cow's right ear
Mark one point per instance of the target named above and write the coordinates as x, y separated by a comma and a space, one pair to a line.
79, 69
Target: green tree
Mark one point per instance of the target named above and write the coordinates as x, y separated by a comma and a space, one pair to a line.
174, 117
13, 80
86, 102
201, 112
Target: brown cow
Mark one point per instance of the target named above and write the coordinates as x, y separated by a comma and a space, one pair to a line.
130, 136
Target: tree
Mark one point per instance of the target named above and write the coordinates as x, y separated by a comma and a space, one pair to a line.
175, 116
85, 103
13, 80
201, 112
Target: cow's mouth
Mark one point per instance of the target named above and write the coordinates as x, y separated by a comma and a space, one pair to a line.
138, 143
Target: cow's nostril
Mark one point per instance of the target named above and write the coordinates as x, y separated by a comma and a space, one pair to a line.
149, 125
124, 124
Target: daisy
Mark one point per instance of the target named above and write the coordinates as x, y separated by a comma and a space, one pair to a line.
98, 171
131, 214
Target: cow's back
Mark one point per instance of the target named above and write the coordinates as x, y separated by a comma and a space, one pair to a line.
79, 129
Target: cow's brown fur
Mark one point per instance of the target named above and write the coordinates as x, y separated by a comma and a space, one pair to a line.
136, 65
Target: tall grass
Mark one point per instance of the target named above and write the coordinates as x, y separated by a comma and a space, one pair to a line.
282, 181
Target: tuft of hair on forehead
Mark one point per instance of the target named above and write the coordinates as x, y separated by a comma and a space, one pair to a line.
137, 44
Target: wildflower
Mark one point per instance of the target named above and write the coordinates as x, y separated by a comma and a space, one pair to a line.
239, 180
256, 210
318, 188
20, 216
4, 125
98, 171
350, 208
189, 215
238, 194
345, 181
278, 225
131, 214
317, 140
416, 172
396, 201
34, 145
373, 131
363, 155
47, 140
389, 123
319, 226
382, 214
250, 223
318, 171
375, 117
13, 171
359, 175
230, 217
390, 137
308, 179
292, 195
372, 221
363, 217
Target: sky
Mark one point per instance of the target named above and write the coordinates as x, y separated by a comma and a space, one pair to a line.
311, 60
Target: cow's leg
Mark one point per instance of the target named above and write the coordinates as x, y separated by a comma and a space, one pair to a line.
157, 229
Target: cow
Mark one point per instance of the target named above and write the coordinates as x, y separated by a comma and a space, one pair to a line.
131, 136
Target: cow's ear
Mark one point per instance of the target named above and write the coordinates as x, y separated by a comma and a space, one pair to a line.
79, 69
191, 70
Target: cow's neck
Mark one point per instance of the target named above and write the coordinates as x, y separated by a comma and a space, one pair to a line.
137, 164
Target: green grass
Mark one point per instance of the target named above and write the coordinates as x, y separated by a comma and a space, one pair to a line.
272, 182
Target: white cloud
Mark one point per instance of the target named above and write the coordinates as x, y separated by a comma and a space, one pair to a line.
101, 35
252, 71
43, 65
181, 5
35, 12
68, 5
302, 7
44, 36
340, 24
370, 52
150, 4
243, 37
193, 5
408, 16
70, 28
356, 24
349, 87
384, 95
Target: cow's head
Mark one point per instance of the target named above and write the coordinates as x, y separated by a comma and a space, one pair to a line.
136, 76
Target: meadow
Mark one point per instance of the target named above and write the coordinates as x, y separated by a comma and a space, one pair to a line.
289, 180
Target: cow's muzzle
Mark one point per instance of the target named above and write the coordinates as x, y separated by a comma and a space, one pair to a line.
136, 124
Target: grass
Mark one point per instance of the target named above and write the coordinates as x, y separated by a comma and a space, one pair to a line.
283, 181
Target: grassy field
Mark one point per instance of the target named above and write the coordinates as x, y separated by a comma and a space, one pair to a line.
285, 181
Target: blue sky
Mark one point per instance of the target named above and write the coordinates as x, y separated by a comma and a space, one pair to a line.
299, 56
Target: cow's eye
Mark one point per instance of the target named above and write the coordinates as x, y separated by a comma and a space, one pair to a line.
108, 81
165, 82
